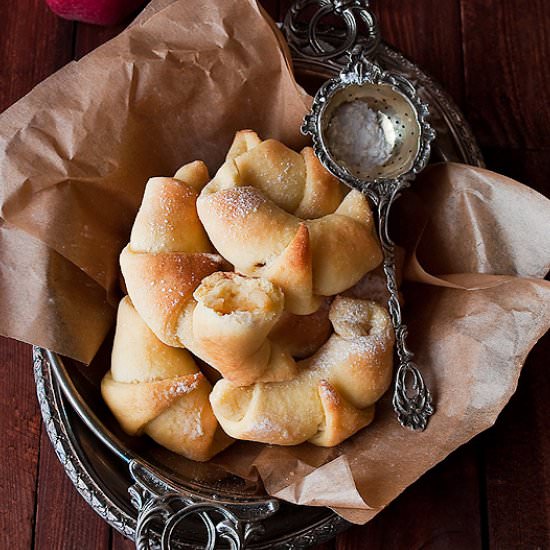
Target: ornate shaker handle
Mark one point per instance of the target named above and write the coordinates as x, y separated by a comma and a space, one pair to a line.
352, 55
411, 400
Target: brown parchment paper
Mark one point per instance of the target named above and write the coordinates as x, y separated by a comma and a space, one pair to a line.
76, 152
470, 332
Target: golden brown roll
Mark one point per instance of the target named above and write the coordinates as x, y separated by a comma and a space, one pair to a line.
169, 253
277, 214
296, 239
158, 390
373, 285
174, 282
231, 325
334, 393
303, 335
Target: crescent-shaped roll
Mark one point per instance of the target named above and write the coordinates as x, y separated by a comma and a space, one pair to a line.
231, 323
280, 215
158, 390
303, 335
175, 283
169, 253
373, 286
334, 393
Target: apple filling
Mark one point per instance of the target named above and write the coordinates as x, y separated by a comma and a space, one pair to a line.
227, 293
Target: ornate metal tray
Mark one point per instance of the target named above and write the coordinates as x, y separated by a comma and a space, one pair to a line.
119, 475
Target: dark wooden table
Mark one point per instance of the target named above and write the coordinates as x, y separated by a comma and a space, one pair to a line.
493, 56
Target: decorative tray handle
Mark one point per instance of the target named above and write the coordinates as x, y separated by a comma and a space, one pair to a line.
312, 40
162, 508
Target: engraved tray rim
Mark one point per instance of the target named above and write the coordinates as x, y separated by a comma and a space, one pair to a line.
54, 387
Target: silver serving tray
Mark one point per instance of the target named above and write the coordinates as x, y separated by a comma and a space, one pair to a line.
75, 416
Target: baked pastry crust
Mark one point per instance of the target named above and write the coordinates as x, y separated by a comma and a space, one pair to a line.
334, 393
158, 390
295, 224
296, 239
174, 282
303, 335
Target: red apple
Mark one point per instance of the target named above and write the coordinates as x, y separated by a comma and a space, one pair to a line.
98, 12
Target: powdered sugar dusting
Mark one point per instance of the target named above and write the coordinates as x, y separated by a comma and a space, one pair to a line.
375, 343
267, 427
360, 138
166, 200
285, 169
328, 393
242, 201
183, 387
354, 312
189, 423
193, 424
194, 267
163, 223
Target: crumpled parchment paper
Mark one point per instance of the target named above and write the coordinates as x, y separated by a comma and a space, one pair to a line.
76, 152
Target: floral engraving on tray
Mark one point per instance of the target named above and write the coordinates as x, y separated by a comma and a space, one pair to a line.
158, 505
50, 407
57, 427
